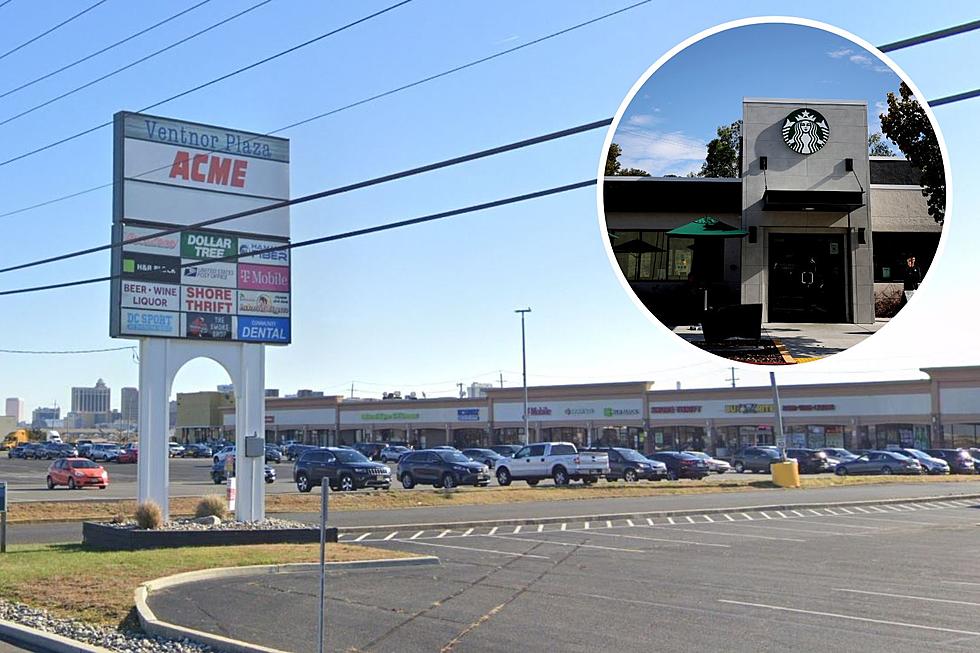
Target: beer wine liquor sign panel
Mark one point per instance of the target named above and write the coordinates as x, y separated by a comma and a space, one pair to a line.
171, 174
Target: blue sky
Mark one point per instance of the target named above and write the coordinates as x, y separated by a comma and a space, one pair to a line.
426, 307
676, 112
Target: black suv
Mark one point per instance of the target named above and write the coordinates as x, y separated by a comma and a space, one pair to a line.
810, 461
441, 468
629, 465
371, 450
344, 469
754, 459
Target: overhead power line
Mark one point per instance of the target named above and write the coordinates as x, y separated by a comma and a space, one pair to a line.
958, 97
103, 50
493, 151
931, 36
5, 3
334, 237
48, 31
65, 351
250, 66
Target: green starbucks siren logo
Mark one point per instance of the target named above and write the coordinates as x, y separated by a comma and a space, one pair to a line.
805, 131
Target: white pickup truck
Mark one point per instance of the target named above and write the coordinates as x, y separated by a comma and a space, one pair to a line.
559, 461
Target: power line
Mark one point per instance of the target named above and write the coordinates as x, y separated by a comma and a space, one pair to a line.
931, 36
564, 133
103, 50
5, 3
46, 32
132, 63
211, 82
958, 97
65, 351
333, 237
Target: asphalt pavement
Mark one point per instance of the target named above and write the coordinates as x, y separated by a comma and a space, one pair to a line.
7, 647
880, 579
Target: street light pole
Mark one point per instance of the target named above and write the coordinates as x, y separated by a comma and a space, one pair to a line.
527, 432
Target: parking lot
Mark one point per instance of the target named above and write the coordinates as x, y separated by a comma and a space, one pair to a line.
878, 577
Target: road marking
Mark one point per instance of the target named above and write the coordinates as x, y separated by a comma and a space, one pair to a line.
878, 509
764, 515
962, 503
650, 521
670, 520
852, 618
782, 514
746, 515
895, 508
586, 525
690, 520
729, 534
629, 522
846, 511
797, 513
608, 523
906, 596
907, 522
443, 534
586, 546
709, 519
362, 536
860, 509
493, 530
831, 511
960, 582
728, 517
661, 539
804, 530
540, 527
837, 524
391, 535
818, 514
517, 529
469, 548
416, 535
342, 535
564, 525
908, 507
468, 531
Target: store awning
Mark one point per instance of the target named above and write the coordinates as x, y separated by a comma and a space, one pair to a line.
812, 200
708, 226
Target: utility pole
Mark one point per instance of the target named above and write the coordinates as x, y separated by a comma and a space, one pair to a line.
501, 378
527, 431
460, 386
734, 378
780, 435
351, 389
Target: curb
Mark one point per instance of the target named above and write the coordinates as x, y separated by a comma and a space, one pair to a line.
645, 514
153, 626
42, 640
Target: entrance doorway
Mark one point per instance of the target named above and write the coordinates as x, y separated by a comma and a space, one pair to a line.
807, 279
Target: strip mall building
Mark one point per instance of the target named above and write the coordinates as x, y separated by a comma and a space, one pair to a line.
943, 410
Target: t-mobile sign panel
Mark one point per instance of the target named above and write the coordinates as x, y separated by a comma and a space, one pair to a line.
171, 174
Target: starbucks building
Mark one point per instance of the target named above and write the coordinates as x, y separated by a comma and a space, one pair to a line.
814, 230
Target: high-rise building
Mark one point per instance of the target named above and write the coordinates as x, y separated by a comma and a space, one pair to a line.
43, 416
96, 400
15, 408
129, 405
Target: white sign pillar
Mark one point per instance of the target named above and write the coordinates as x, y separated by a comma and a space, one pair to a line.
250, 421
153, 460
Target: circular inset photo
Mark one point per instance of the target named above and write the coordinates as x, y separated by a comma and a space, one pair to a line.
773, 191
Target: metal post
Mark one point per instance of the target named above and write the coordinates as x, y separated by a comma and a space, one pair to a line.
3, 532
527, 432
780, 437
324, 492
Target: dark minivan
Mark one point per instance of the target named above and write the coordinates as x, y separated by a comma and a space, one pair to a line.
441, 468
629, 465
344, 469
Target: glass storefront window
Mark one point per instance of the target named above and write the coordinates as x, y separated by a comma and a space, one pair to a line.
964, 435
671, 258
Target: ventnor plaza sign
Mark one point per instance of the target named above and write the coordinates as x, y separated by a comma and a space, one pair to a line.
805, 131
171, 174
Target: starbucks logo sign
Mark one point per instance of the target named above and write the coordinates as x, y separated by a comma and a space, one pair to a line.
805, 131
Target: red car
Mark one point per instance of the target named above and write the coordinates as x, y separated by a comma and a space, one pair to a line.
76, 473
130, 454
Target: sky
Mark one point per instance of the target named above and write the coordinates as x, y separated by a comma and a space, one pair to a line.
674, 114
426, 307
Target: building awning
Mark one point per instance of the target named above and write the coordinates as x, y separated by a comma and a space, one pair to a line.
812, 200
709, 227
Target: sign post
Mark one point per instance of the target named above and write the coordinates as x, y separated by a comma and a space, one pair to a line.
325, 491
780, 435
3, 517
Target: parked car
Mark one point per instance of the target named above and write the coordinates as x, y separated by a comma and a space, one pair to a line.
880, 462
976, 458
220, 455
197, 450
930, 464
716, 465
810, 461
272, 454
130, 454
343, 469
506, 450
488, 457
392, 453
85, 449
32, 451
176, 449
295, 450
681, 465
219, 473
76, 473
754, 459
960, 461
104, 451
441, 468
840, 454
54, 450
18, 451
559, 461
445, 447
630, 465
370, 450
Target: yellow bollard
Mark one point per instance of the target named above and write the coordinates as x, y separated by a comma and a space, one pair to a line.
785, 474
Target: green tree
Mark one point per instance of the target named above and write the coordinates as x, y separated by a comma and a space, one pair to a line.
724, 156
907, 125
877, 145
613, 167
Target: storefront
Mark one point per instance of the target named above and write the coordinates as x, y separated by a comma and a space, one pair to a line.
796, 234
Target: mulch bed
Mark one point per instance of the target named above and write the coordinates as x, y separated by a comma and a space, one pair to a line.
760, 352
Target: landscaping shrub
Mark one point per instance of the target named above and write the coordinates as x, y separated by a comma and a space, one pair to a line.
213, 504
148, 515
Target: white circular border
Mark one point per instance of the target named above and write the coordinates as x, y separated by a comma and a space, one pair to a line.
742, 22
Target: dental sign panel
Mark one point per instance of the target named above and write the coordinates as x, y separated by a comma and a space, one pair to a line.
171, 174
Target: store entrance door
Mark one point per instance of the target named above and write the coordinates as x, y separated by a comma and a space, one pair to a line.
807, 280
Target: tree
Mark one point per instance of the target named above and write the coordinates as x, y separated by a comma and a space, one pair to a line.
613, 167
724, 157
878, 147
907, 125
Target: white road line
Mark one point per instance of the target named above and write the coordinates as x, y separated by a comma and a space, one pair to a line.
361, 537
342, 536
895, 508
831, 511
443, 534
818, 514
586, 546
795, 529
469, 548
797, 513
877, 509
608, 523
629, 522
960, 582
493, 530
945, 504
782, 514
391, 535
586, 525
650, 521
729, 534
416, 535
852, 618
670, 520
908, 507
746, 515
662, 539
962, 503
708, 519
860, 509
690, 520
765, 515
728, 517
517, 529
564, 525
837, 524
906, 596
468, 531
907, 522
540, 527
846, 511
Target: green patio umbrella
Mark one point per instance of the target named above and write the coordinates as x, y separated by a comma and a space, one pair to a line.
708, 227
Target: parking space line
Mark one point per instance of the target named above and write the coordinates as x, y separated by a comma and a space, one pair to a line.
728, 517
878, 509
818, 514
662, 539
765, 515
650, 521
564, 525
837, 524
908, 507
391, 535
586, 546
469, 548
746, 515
895, 508
362, 536
730, 534
416, 535
690, 520
608, 523
493, 530
960, 582
906, 522
906, 596
586, 525
517, 529
860, 509
342, 535
963, 503
443, 534
670, 520
831, 511
629, 522
797, 513
709, 519
851, 617
468, 531
803, 530
846, 511
540, 527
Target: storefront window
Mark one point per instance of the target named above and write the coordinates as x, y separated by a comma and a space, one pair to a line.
881, 436
964, 436
892, 249
678, 438
653, 255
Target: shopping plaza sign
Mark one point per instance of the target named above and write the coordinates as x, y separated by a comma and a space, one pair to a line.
170, 174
